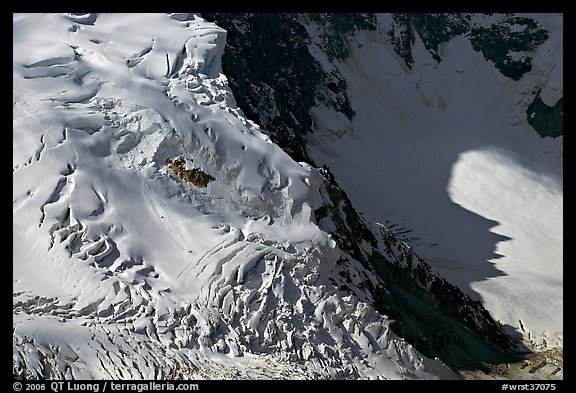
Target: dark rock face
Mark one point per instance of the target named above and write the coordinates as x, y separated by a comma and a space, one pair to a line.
335, 29
433, 29
276, 82
509, 44
275, 79
427, 311
546, 120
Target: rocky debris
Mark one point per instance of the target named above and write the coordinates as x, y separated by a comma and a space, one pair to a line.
545, 365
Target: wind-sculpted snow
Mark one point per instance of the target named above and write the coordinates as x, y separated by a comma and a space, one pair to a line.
121, 269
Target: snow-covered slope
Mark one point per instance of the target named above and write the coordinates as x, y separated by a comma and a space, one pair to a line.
441, 152
157, 232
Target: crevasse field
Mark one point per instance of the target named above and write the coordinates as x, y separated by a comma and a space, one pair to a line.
124, 270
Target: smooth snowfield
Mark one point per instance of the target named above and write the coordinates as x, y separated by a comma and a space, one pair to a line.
121, 269
442, 155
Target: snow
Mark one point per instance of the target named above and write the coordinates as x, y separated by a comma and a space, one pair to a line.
533, 255
121, 270
444, 157
549, 61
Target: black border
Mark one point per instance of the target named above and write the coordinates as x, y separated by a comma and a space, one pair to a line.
356, 6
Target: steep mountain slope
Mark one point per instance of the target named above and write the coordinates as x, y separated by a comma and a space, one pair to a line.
439, 127
480, 190
159, 233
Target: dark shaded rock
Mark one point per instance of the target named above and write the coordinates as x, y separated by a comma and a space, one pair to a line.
546, 120
429, 312
509, 44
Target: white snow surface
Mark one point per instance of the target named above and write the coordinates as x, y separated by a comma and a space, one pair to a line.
121, 270
442, 155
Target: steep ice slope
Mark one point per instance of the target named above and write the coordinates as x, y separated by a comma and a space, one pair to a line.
124, 270
442, 154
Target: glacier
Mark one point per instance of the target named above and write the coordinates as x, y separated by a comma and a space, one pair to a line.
398, 227
123, 270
